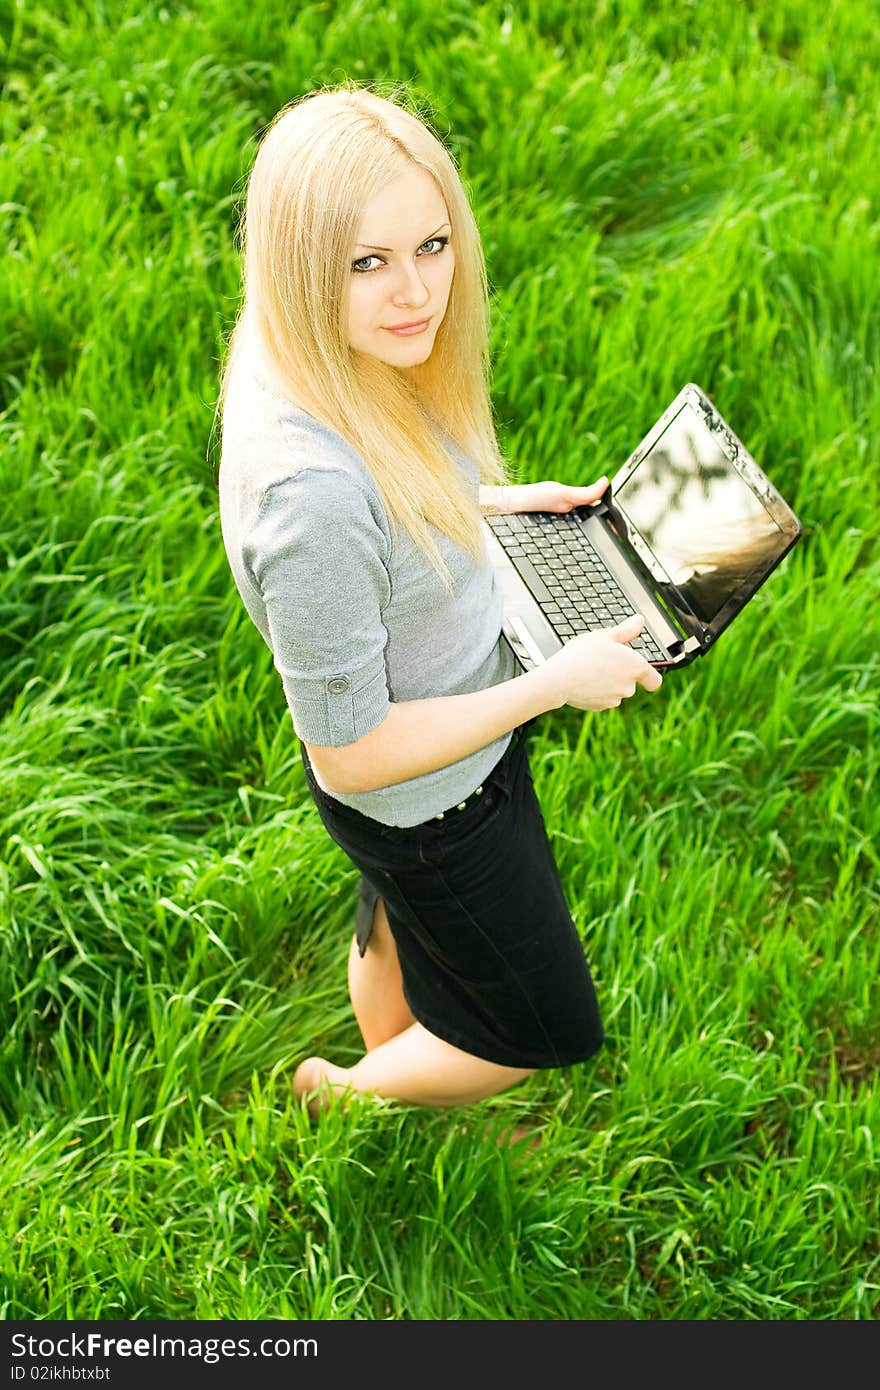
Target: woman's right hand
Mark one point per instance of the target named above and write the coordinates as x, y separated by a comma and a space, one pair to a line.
597, 670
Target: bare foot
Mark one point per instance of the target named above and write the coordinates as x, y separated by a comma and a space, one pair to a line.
511, 1136
520, 1132
318, 1075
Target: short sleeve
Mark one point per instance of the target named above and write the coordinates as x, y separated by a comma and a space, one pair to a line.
317, 556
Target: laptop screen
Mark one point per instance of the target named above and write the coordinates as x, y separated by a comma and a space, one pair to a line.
702, 522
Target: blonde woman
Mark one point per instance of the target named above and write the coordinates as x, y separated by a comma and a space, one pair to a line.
357, 455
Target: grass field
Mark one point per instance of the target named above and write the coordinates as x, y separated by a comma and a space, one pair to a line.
667, 192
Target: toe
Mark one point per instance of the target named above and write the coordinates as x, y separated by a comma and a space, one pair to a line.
307, 1075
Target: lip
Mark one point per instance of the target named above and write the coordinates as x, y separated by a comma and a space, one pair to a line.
407, 328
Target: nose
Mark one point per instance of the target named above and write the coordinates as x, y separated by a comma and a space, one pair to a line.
410, 287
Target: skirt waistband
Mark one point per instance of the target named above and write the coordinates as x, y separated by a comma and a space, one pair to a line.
462, 805
478, 792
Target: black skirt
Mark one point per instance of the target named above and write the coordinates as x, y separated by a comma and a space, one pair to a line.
490, 958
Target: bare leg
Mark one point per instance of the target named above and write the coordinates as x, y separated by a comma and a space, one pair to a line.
403, 1060
375, 985
415, 1066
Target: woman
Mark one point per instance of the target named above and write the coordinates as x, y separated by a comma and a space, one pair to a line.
357, 455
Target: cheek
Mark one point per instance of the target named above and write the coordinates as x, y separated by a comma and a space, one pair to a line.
362, 301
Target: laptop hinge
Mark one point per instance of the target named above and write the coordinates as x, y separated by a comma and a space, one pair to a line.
606, 509
695, 637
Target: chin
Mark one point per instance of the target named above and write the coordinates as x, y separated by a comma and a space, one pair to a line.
420, 350
398, 359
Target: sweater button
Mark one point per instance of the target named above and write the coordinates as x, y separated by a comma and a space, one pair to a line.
338, 685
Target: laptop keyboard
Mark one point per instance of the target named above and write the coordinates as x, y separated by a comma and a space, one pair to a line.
567, 576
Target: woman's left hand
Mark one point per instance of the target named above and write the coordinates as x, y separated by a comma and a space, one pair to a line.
551, 497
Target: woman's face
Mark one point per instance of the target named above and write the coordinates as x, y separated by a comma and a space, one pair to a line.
409, 278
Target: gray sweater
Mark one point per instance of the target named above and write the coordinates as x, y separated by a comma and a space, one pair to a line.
352, 621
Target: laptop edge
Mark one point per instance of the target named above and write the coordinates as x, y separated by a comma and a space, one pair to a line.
677, 628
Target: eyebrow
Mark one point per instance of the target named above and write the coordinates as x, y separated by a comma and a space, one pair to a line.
390, 249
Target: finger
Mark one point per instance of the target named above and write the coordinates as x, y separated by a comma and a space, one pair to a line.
594, 490
628, 629
580, 496
650, 678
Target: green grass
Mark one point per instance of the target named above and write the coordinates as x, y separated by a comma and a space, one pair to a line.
665, 194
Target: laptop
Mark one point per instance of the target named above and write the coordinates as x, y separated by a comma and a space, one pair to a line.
685, 533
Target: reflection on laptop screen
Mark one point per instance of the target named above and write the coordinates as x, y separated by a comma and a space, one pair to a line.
701, 520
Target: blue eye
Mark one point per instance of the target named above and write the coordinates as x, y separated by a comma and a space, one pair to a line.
374, 257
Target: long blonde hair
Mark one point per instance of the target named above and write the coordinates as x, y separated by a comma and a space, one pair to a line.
321, 159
